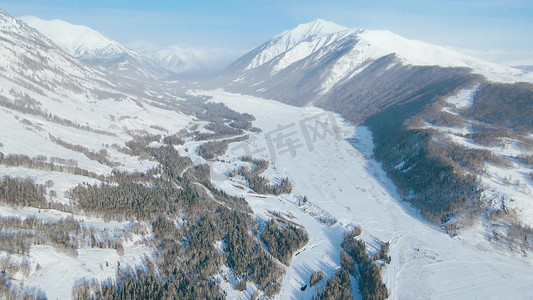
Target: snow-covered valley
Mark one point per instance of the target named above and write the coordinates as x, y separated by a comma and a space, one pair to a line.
114, 185
330, 163
341, 180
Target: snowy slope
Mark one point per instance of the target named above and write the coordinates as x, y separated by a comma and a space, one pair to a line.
507, 187
93, 47
36, 71
285, 41
413, 52
46, 94
77, 40
27, 56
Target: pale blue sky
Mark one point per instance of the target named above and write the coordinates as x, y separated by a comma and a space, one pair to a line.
241, 25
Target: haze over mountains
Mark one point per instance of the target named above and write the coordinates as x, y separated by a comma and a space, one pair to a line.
381, 168
94, 48
186, 60
144, 59
526, 68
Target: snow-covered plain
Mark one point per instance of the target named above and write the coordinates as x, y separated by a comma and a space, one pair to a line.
342, 181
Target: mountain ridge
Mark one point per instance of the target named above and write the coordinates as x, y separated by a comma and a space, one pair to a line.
299, 43
79, 41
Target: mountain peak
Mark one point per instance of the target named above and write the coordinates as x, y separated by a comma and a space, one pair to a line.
9, 26
288, 39
320, 26
317, 27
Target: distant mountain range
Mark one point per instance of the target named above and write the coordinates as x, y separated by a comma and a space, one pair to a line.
138, 59
185, 60
94, 48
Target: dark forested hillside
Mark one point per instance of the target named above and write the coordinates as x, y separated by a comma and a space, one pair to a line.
381, 86
425, 179
504, 105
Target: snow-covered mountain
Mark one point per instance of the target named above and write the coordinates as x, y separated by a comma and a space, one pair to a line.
320, 37
94, 48
330, 55
30, 59
185, 59
296, 44
48, 87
